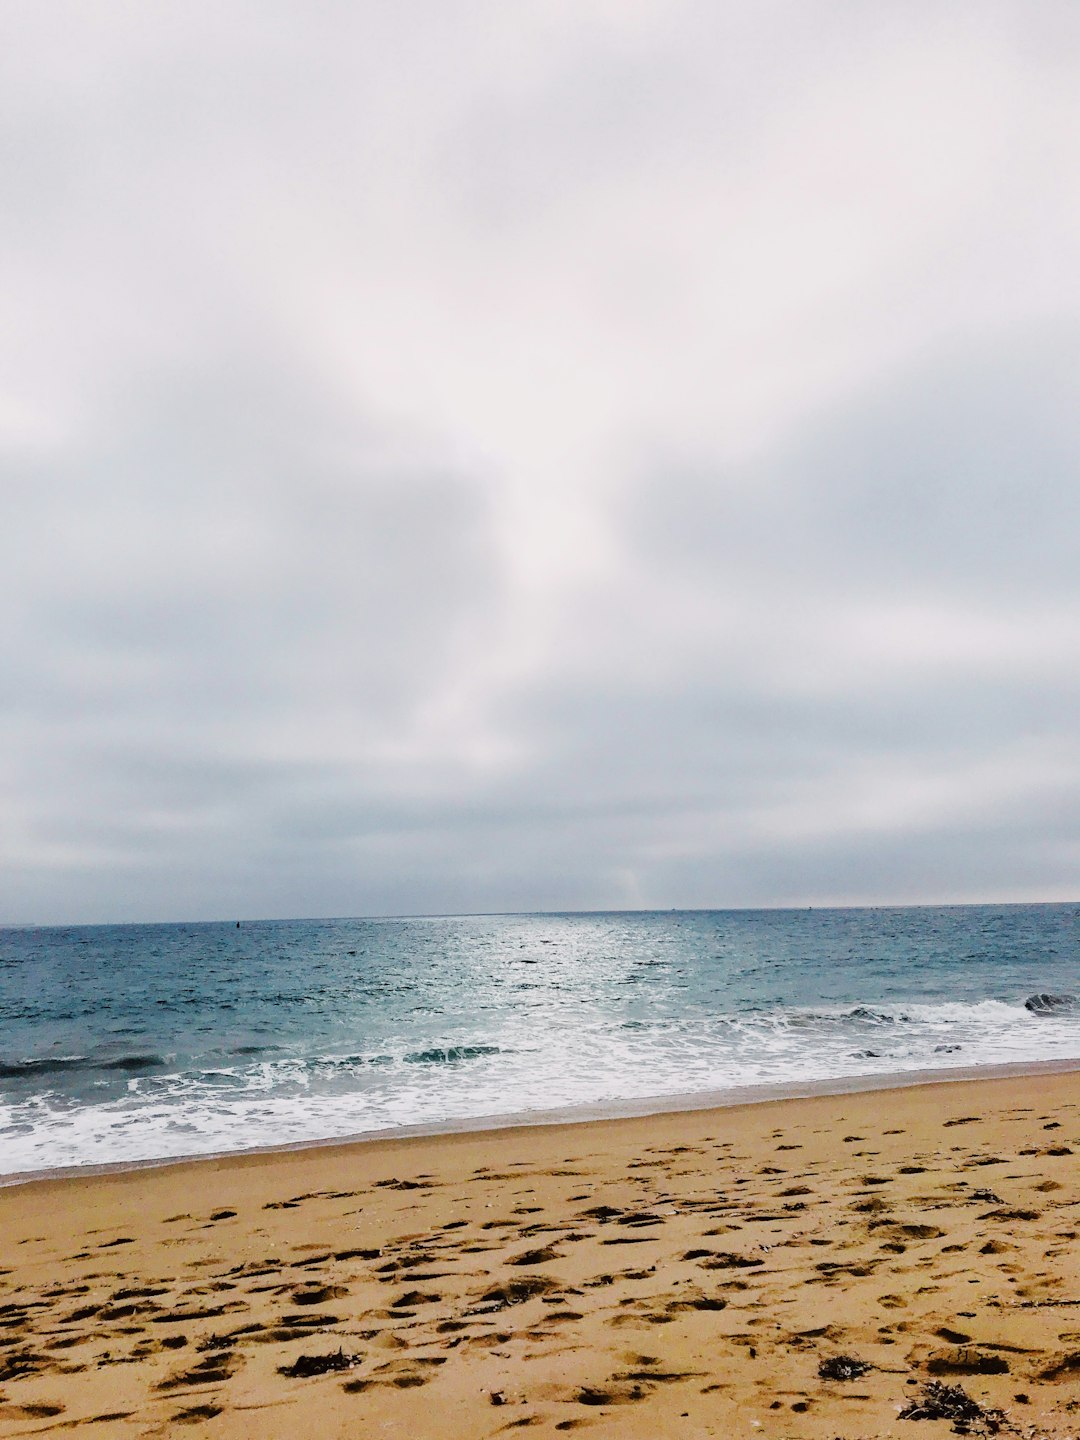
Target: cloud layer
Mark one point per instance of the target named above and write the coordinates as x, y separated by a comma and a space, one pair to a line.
478, 457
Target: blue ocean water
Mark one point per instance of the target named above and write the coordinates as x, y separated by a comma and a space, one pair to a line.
133, 1042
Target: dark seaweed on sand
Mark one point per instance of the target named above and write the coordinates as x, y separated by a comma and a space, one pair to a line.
952, 1402
306, 1365
842, 1367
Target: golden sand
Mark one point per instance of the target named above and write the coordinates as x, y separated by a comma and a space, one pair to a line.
688, 1274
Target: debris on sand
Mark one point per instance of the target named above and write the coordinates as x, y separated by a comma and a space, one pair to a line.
306, 1365
513, 1292
842, 1367
952, 1402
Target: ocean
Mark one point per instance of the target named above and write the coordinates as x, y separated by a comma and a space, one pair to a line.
130, 1043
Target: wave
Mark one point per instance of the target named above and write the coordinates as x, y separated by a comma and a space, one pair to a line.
860, 1014
30, 1068
255, 1064
279, 1100
16, 1069
132, 1063
945, 1012
332, 1063
449, 1054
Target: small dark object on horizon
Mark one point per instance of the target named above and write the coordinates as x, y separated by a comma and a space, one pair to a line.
305, 1365
842, 1367
952, 1402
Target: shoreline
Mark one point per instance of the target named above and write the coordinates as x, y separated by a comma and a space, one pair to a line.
594, 1113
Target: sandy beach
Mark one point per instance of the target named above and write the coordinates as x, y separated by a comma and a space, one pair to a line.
795, 1268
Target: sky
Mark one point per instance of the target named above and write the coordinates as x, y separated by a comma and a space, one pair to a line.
574, 454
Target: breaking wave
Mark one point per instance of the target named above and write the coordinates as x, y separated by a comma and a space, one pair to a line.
32, 1067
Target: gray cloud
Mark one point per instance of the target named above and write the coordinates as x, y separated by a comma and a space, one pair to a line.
566, 456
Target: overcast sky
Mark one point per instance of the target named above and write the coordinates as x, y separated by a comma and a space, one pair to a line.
557, 454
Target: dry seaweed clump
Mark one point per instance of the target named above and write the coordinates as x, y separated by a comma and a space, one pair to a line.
306, 1365
842, 1367
952, 1402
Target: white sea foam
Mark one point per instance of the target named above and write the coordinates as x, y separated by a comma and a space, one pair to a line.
520, 1066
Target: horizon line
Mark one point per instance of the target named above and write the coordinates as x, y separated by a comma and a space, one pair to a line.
239, 922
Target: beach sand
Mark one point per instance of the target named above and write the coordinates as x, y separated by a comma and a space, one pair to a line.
687, 1274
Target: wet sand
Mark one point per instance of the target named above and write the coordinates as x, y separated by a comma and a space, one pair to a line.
788, 1269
